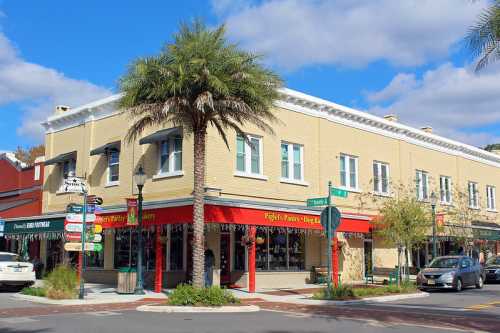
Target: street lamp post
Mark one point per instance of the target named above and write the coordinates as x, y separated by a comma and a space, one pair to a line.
433, 206
140, 179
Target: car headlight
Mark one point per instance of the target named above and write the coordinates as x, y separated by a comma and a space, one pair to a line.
448, 277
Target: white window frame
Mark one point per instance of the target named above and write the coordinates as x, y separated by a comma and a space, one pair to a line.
36, 172
445, 193
171, 158
348, 159
421, 194
110, 182
491, 197
377, 178
247, 173
473, 195
291, 161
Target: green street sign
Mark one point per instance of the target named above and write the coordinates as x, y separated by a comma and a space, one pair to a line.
314, 202
337, 192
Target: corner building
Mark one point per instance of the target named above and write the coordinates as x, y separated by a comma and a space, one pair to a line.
258, 189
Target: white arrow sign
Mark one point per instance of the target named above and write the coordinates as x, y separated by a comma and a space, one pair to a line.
76, 237
78, 218
72, 227
74, 185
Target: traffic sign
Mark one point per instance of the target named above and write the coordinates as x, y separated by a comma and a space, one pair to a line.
314, 202
78, 218
334, 218
74, 185
78, 247
94, 200
76, 237
77, 227
338, 192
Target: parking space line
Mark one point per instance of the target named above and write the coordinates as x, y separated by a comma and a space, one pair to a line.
478, 307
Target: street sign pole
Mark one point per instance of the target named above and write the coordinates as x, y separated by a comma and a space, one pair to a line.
84, 231
329, 235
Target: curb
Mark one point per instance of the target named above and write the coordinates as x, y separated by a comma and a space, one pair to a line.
44, 300
197, 309
378, 299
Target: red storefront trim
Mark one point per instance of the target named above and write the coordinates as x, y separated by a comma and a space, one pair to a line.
235, 215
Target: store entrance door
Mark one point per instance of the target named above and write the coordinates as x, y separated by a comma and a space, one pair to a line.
225, 258
368, 264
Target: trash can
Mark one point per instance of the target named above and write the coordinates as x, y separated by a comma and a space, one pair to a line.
127, 278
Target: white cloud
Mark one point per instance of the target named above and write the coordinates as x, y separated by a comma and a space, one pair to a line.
295, 33
38, 89
402, 83
455, 101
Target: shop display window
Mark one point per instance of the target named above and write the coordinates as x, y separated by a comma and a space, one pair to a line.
126, 249
239, 251
278, 250
176, 249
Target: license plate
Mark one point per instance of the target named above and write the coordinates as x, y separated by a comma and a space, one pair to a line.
17, 270
431, 282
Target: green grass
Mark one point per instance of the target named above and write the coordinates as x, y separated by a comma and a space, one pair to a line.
187, 295
34, 291
348, 292
61, 283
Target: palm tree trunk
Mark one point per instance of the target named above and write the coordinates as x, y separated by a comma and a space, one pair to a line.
198, 209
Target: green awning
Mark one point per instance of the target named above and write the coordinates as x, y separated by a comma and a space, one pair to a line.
35, 226
160, 135
106, 148
61, 158
486, 234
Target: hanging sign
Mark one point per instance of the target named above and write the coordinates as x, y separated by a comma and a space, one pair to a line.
132, 211
33, 226
74, 185
78, 247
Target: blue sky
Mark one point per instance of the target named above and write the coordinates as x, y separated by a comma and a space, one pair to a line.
401, 57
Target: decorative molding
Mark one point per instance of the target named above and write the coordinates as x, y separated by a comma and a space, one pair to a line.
299, 102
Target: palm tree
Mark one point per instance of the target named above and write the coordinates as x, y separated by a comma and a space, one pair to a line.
483, 39
199, 81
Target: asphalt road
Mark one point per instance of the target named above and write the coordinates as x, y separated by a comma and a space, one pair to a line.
261, 322
6, 302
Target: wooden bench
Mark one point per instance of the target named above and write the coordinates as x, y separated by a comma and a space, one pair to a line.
320, 274
391, 273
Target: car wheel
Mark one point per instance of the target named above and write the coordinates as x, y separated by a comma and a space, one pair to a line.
459, 285
479, 284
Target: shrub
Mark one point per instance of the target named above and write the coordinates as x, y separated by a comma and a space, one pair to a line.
347, 292
342, 292
61, 283
34, 291
187, 295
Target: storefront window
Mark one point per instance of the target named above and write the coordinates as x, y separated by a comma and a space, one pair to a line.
126, 249
95, 259
176, 249
239, 251
278, 250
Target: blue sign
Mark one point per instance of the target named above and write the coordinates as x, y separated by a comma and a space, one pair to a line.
2, 227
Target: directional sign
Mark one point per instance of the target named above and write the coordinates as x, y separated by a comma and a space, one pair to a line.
314, 202
78, 218
76, 237
94, 200
338, 192
74, 185
334, 218
77, 227
78, 247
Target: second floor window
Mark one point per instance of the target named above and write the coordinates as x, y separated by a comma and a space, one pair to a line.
473, 195
445, 189
491, 197
249, 155
380, 177
113, 166
422, 182
349, 171
292, 164
170, 155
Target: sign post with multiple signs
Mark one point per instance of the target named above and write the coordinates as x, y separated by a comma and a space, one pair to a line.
330, 220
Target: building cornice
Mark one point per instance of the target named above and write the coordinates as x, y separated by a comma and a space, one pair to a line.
306, 104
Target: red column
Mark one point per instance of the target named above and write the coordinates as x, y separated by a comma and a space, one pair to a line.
251, 259
158, 262
335, 260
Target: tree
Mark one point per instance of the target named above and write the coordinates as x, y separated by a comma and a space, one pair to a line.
492, 147
199, 81
483, 39
403, 221
29, 155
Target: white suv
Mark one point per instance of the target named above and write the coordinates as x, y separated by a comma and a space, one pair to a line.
14, 272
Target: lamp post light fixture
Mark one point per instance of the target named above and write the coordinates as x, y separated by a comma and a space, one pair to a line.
433, 206
140, 180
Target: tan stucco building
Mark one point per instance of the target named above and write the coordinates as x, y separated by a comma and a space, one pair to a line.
264, 185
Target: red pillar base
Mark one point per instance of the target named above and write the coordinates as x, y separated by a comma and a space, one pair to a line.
251, 259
